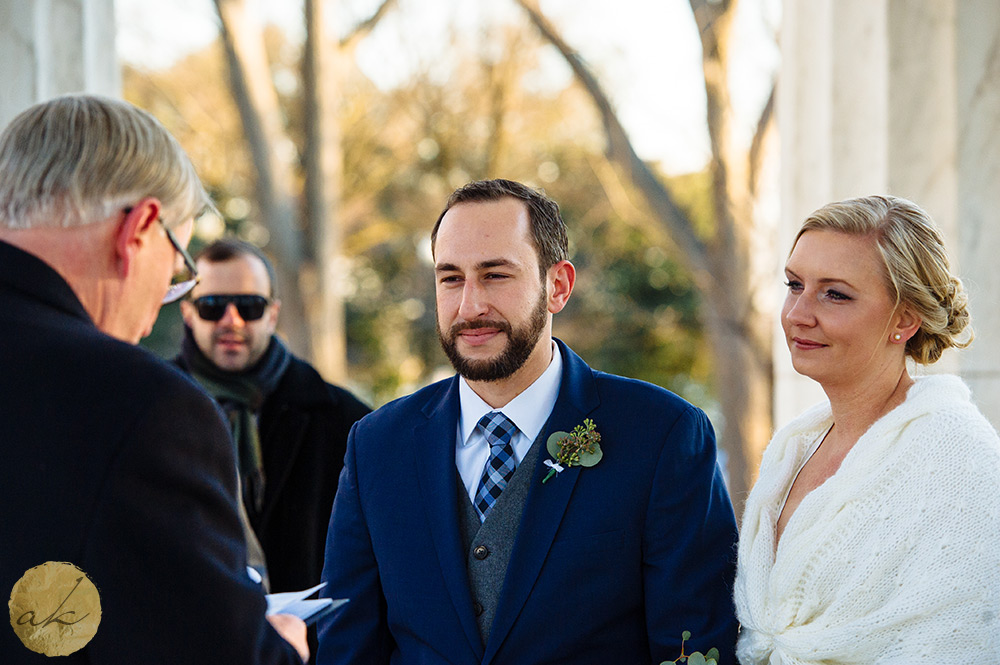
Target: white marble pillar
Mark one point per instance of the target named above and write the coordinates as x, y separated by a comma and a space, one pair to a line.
899, 97
977, 209
51, 47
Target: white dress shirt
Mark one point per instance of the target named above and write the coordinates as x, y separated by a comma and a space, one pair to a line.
528, 411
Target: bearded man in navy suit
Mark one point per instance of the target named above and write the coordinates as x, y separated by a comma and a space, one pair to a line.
445, 538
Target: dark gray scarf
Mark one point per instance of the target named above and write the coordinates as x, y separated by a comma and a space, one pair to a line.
241, 395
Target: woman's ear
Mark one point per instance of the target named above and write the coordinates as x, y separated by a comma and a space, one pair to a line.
907, 325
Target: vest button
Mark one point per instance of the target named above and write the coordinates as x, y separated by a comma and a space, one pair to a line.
481, 552
477, 608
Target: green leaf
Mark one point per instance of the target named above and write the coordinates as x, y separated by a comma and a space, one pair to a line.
552, 445
590, 459
712, 654
686, 635
696, 659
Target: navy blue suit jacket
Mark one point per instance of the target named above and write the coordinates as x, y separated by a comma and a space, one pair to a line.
610, 564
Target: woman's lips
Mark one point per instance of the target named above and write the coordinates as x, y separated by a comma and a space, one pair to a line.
806, 344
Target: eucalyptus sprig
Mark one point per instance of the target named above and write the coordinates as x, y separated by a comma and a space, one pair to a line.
711, 657
581, 447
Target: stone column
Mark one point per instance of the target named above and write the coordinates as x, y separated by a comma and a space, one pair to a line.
899, 97
977, 212
51, 47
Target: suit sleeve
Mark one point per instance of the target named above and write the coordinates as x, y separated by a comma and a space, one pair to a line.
689, 546
357, 633
166, 539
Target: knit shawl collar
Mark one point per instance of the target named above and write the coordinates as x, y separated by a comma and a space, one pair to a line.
780, 600
786, 452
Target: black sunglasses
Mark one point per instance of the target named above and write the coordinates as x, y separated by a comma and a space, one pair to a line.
213, 308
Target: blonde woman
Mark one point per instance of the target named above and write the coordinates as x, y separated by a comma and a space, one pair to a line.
873, 533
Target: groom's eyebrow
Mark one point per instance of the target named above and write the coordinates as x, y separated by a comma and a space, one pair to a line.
446, 267
482, 265
495, 263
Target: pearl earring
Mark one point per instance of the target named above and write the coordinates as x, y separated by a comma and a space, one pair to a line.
897, 337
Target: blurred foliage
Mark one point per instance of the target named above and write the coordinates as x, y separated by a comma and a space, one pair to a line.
634, 310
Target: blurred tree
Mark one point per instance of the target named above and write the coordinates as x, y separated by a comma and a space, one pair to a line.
192, 102
404, 150
308, 244
722, 257
428, 138
325, 65
274, 164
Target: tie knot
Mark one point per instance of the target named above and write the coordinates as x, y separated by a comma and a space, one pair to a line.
499, 428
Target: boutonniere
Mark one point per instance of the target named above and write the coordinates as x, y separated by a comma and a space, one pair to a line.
710, 657
581, 447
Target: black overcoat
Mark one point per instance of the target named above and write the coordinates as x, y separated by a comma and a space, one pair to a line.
115, 461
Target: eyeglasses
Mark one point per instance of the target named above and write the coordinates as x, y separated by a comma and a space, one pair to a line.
213, 308
178, 290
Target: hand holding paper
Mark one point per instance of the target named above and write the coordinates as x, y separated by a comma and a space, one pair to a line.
296, 604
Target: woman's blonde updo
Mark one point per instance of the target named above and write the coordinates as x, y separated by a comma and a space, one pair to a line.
916, 267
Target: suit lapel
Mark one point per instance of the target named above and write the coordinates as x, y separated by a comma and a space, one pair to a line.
545, 504
434, 460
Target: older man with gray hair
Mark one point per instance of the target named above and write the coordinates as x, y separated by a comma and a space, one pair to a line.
114, 461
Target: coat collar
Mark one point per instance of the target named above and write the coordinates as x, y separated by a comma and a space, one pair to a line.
543, 510
25, 272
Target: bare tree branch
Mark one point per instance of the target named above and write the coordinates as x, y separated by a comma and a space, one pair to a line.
620, 150
257, 102
362, 29
260, 113
764, 124
713, 28
725, 265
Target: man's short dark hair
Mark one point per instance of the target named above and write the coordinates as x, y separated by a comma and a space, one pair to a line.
548, 231
227, 249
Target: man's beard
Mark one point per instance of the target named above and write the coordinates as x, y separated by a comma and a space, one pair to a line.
520, 343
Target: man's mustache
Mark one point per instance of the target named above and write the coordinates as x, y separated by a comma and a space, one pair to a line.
502, 326
229, 335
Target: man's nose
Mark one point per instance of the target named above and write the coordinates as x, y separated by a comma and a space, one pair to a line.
232, 316
474, 303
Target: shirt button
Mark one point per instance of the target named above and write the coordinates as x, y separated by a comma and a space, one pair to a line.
477, 608
481, 552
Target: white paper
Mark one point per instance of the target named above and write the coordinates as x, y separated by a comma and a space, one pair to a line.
296, 603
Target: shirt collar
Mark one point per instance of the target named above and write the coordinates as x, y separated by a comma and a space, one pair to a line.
528, 411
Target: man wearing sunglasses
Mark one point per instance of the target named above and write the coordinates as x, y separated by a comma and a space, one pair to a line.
114, 461
290, 426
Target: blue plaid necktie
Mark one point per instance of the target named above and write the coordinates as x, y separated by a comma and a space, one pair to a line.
500, 466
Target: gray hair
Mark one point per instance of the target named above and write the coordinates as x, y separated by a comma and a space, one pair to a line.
77, 159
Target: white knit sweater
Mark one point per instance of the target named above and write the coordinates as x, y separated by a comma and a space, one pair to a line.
895, 559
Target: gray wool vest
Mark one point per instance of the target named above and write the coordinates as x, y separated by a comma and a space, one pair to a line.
488, 545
